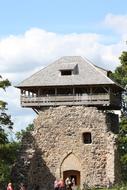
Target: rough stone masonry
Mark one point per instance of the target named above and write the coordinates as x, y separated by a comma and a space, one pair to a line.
57, 148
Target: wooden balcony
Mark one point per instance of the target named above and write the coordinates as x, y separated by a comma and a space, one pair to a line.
105, 100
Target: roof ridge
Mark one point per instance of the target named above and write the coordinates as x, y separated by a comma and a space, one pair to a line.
92, 64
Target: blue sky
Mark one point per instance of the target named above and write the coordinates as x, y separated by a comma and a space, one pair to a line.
34, 33
64, 16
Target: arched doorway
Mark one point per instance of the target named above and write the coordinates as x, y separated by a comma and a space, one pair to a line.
72, 174
71, 167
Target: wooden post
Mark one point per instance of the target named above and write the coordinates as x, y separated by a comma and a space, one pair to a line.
55, 94
39, 93
73, 93
55, 91
91, 92
28, 93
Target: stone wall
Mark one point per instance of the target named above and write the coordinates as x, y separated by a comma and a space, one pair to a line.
56, 145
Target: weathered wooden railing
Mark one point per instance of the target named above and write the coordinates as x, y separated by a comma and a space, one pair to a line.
84, 99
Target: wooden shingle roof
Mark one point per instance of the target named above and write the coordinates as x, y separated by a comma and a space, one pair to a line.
88, 74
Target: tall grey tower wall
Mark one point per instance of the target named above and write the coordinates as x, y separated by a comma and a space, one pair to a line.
77, 141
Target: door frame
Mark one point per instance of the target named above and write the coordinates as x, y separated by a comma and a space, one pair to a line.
72, 174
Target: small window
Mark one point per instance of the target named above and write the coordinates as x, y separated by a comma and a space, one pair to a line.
66, 72
87, 138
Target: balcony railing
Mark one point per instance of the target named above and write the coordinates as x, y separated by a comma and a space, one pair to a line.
84, 99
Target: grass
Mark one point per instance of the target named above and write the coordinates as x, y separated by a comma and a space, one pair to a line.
113, 188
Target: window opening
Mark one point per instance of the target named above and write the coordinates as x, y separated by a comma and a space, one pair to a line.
87, 138
66, 72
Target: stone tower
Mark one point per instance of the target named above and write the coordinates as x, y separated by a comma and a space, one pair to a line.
75, 132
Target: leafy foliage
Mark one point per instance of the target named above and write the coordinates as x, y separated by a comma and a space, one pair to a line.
23, 132
5, 120
8, 154
7, 149
123, 147
4, 83
120, 76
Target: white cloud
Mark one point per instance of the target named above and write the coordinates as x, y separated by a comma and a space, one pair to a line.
36, 47
117, 22
21, 56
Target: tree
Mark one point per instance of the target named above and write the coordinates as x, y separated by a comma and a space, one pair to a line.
7, 149
8, 154
120, 76
5, 120
23, 132
123, 147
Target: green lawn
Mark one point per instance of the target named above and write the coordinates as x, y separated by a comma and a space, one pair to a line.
113, 188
